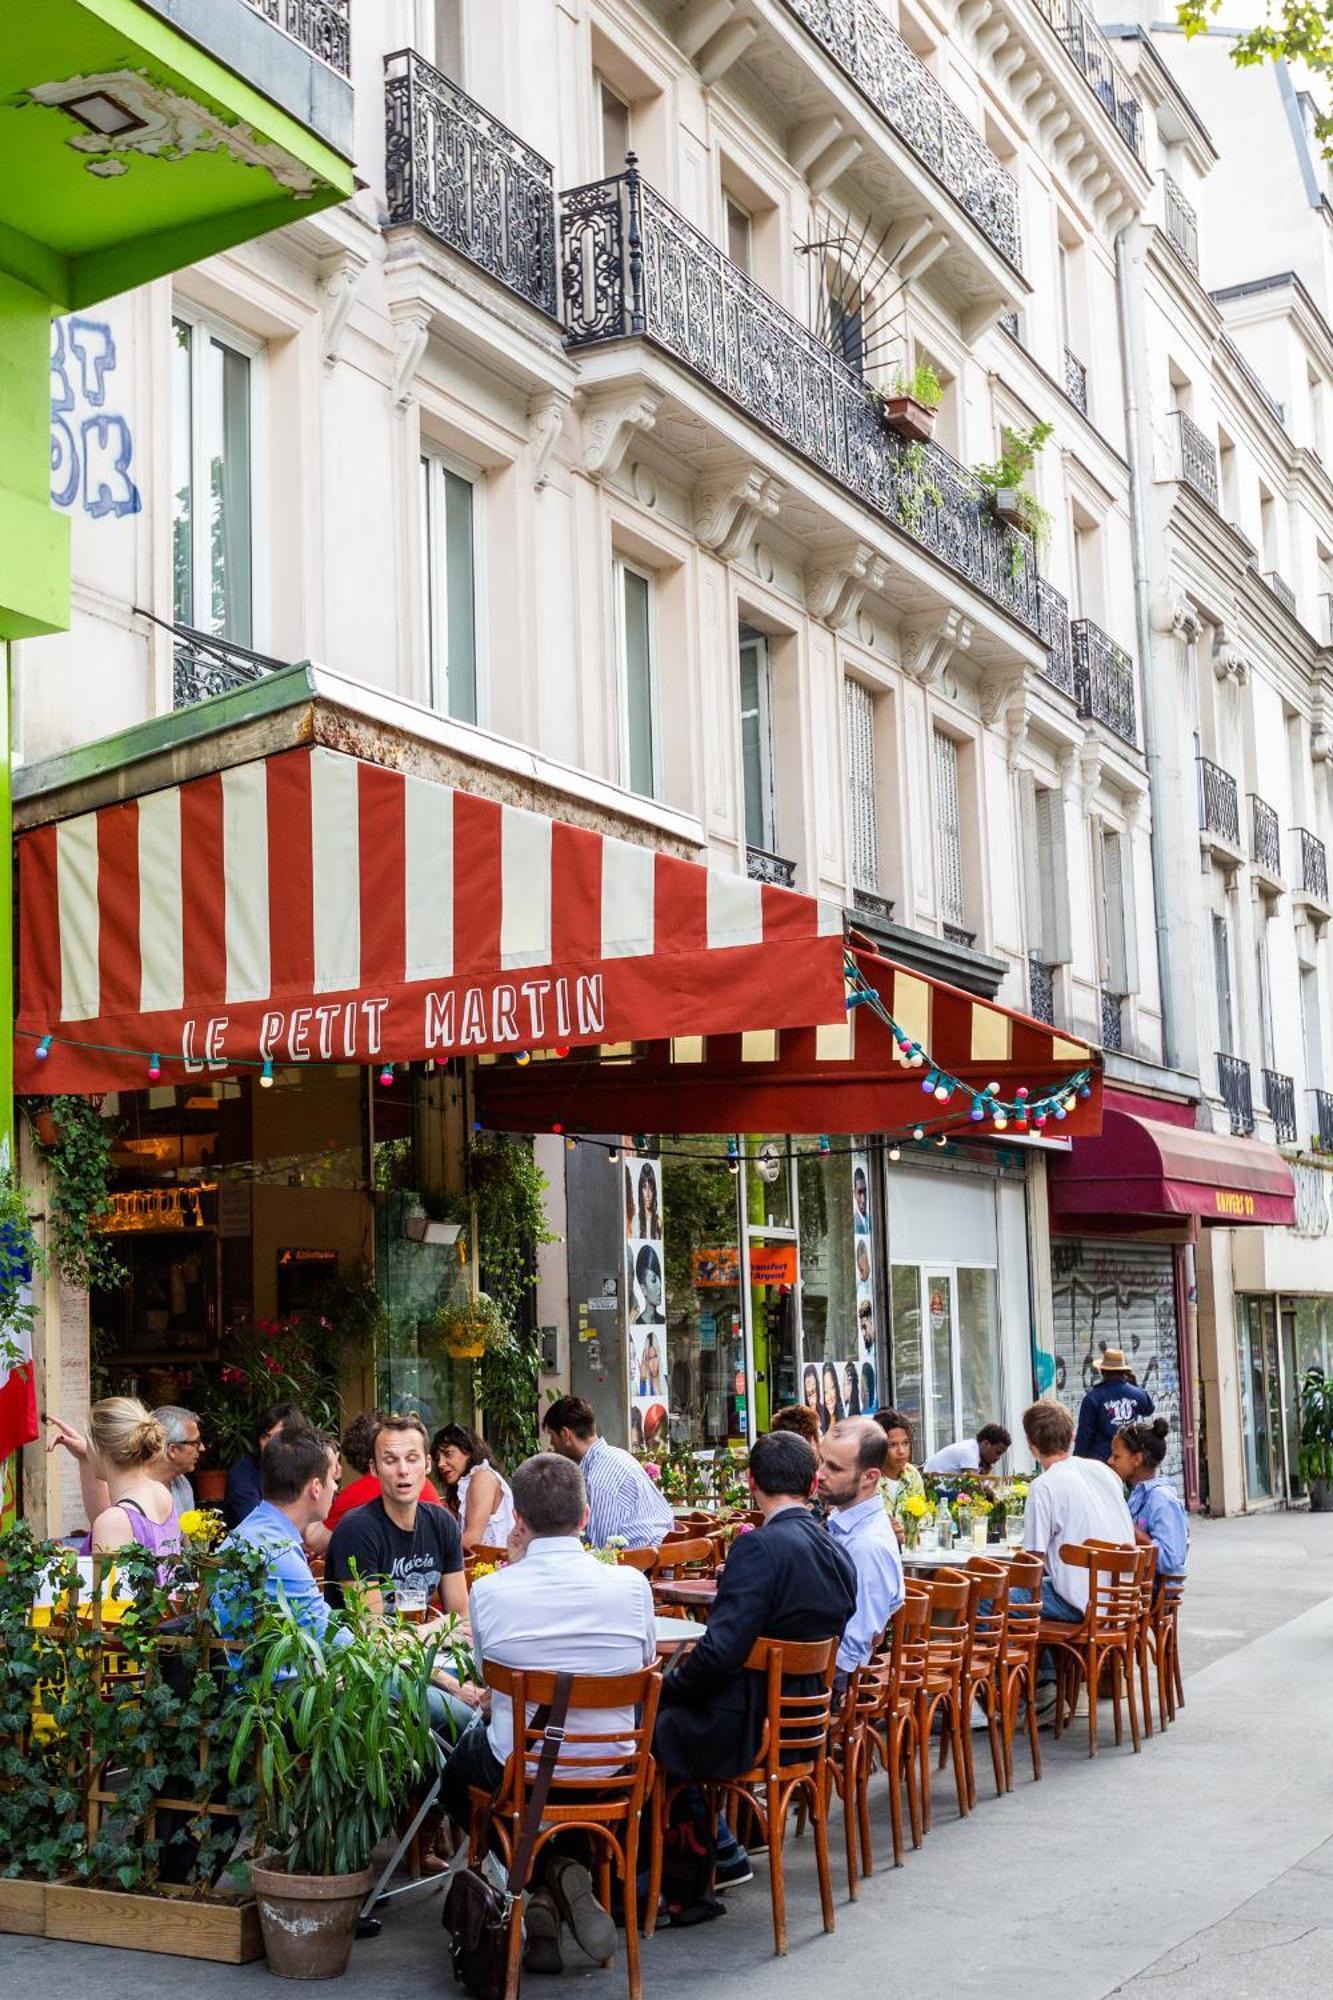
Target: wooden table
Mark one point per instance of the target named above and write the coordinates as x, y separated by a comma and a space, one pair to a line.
696, 1593
956, 1558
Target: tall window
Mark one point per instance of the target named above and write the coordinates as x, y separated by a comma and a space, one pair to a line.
1049, 916
757, 738
847, 331
450, 505
1264, 984
740, 235
1114, 927
859, 715
615, 127
212, 477
1226, 1027
1312, 1040
638, 666
948, 830
447, 22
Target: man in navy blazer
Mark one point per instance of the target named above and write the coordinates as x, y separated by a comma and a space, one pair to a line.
789, 1580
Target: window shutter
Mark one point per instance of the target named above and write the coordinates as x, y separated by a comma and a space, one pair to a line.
1265, 998
949, 830
1113, 914
1222, 975
859, 713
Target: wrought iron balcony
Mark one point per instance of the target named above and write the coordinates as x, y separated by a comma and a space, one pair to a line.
203, 666
1198, 459
1112, 1021
869, 903
1265, 837
1076, 381
1233, 1087
1281, 589
322, 26
632, 267
468, 179
1182, 224
1219, 803
761, 866
958, 934
1103, 680
1118, 97
858, 37
1009, 322
1053, 626
1280, 1097
1322, 1136
1041, 989
1313, 865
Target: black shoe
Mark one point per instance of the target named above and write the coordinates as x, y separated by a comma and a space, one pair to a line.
729, 1874
571, 1885
541, 1928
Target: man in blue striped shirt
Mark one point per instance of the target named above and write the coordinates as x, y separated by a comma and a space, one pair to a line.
623, 1503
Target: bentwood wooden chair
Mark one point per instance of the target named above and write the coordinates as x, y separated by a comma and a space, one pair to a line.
1105, 1638
1022, 1646
896, 1738
640, 1559
1147, 1582
678, 1559
605, 1804
789, 1769
852, 1736
988, 1626
1164, 1642
941, 1693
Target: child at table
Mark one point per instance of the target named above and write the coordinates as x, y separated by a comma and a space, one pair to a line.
1155, 1507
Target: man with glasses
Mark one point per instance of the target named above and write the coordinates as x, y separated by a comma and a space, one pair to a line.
185, 1445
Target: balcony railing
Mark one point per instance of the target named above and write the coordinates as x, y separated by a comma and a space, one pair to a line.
322, 26
1112, 1021
869, 903
1053, 625
1252, 381
1313, 865
468, 179
1103, 680
858, 37
204, 666
1198, 459
1280, 1097
1233, 1087
1219, 803
1086, 43
1009, 322
959, 934
1076, 381
633, 267
1281, 589
1265, 837
1182, 224
1041, 989
761, 866
1323, 1119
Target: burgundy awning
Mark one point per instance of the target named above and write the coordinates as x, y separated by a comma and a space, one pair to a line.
1141, 1167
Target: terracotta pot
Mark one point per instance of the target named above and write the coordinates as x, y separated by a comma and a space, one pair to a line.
308, 1921
909, 418
210, 1488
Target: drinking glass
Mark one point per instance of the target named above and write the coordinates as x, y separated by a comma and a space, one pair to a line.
410, 1601
1013, 1531
980, 1530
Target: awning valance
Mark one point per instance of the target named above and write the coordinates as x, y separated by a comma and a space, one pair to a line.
1142, 1167
315, 907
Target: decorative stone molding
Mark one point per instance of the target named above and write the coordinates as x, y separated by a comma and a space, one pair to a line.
1321, 705
1177, 614
339, 276
609, 422
411, 332
1229, 663
1091, 763
1005, 704
729, 508
839, 578
546, 418
929, 644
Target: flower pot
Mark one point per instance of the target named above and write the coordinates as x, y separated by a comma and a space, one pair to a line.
909, 418
465, 1348
1007, 502
1321, 1496
210, 1488
308, 1921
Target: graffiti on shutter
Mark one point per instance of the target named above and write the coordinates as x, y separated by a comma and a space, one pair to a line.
1111, 1294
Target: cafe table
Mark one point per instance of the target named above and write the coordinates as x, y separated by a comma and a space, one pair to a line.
673, 1633
695, 1593
954, 1558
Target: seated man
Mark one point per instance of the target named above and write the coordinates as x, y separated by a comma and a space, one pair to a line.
849, 1476
981, 1453
298, 1470
791, 1580
553, 1610
1075, 1500
623, 1503
244, 1490
357, 1445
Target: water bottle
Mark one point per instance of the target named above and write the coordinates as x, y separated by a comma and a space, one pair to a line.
944, 1524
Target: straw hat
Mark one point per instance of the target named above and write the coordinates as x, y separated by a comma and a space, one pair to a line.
1113, 1362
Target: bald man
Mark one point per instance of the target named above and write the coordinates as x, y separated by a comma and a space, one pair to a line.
850, 1469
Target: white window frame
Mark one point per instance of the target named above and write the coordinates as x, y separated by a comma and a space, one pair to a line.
435, 461
957, 918
209, 325
620, 567
748, 636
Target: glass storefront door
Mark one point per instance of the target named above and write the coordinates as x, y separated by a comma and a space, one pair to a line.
1260, 1396
707, 1364
946, 1351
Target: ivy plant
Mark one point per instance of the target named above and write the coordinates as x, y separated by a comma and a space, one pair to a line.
79, 1163
508, 1189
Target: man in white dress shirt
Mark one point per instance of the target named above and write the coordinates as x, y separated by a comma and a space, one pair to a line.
850, 1469
555, 1609
981, 1453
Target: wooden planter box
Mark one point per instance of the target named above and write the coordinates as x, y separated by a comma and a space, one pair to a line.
224, 1933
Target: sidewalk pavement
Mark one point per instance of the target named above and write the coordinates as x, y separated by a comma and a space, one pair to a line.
1204, 1864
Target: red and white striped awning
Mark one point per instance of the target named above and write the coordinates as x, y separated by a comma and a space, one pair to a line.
312, 907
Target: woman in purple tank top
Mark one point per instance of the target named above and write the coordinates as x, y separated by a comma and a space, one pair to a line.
124, 1441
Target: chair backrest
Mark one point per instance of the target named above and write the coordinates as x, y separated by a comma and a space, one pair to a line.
950, 1631
795, 1725
641, 1559
617, 1762
909, 1639
1113, 1586
484, 1554
1026, 1571
987, 1614
692, 1556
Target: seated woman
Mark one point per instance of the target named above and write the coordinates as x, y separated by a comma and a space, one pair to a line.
125, 1476
468, 1468
1155, 1507
901, 1478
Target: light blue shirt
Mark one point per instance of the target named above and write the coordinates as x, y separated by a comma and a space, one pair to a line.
622, 1499
1157, 1508
866, 1533
289, 1577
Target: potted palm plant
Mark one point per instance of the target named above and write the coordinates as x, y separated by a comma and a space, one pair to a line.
908, 403
339, 1735
1316, 1452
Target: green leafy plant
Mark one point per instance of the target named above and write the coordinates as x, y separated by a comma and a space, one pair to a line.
291, 1360
915, 489
79, 1163
1316, 1412
507, 1190
20, 1257
921, 383
1294, 32
340, 1738
471, 1322
1006, 475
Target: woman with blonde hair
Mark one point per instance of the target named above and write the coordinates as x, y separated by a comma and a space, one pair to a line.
125, 1449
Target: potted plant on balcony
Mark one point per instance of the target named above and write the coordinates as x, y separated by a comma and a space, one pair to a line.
1002, 481
908, 403
1316, 1452
341, 1740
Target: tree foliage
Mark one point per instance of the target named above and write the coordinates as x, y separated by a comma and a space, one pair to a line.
1293, 31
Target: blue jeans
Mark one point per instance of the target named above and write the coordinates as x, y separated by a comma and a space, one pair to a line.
1052, 1606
